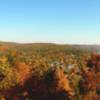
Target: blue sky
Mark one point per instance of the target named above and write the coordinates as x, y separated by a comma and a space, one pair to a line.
59, 21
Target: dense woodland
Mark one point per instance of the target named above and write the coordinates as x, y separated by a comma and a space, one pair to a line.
48, 72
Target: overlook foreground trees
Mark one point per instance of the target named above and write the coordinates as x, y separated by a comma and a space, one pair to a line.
90, 83
54, 86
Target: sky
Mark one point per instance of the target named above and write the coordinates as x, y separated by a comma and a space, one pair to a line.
55, 21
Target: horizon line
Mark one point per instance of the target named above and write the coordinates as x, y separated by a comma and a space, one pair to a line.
57, 43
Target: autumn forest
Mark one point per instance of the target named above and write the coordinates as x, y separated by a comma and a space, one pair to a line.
42, 71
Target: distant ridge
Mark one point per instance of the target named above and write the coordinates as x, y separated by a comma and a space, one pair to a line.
83, 47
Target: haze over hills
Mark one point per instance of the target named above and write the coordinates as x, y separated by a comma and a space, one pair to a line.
89, 47
43, 45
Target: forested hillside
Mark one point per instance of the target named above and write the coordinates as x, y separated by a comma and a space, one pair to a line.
42, 71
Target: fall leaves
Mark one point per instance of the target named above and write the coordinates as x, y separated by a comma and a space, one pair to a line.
51, 73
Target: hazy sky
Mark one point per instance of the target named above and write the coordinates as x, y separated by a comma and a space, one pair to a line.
60, 21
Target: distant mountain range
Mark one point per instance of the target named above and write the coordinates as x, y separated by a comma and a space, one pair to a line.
83, 47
